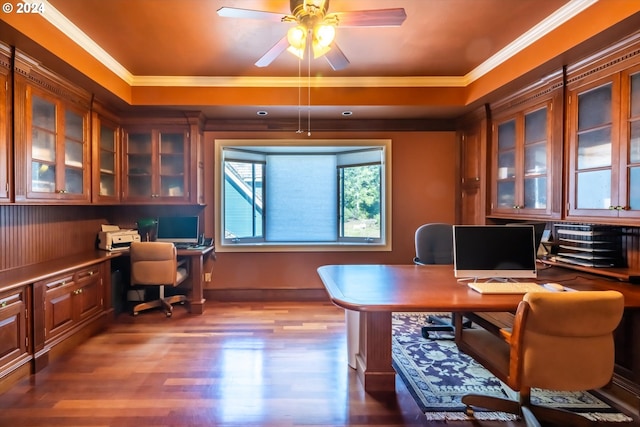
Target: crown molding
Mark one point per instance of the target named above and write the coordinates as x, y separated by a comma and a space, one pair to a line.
553, 21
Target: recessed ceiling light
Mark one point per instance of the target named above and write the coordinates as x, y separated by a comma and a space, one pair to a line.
347, 113
262, 113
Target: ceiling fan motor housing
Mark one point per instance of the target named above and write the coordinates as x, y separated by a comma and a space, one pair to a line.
309, 12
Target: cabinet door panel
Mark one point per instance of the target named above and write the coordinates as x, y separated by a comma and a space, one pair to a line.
13, 328
594, 107
535, 193
88, 297
58, 306
60, 314
593, 149
594, 190
535, 159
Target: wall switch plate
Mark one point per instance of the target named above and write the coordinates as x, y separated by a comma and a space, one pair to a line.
207, 277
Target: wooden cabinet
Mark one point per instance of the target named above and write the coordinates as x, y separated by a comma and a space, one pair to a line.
472, 137
156, 165
603, 132
64, 304
14, 331
526, 150
70, 299
52, 143
106, 158
6, 142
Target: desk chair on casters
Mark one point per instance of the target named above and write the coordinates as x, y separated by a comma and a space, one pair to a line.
434, 245
156, 264
559, 341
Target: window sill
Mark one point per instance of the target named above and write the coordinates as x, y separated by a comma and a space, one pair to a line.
304, 247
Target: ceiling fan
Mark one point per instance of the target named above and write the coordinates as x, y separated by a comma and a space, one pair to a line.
316, 28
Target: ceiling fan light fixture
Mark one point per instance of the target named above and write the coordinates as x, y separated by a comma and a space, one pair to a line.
297, 38
323, 36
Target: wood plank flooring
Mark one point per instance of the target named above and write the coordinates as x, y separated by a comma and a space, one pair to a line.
239, 364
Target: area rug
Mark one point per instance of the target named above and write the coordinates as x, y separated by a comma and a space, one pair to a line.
438, 375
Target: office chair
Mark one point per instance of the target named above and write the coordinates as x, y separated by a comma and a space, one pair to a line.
559, 341
156, 264
434, 245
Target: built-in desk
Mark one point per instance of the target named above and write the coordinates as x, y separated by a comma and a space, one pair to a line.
195, 265
193, 259
49, 307
375, 291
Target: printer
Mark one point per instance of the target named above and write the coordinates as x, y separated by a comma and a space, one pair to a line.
113, 238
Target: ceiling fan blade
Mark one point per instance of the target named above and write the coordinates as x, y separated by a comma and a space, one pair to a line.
336, 58
371, 18
273, 53
232, 12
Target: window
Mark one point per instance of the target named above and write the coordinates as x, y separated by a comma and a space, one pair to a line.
303, 195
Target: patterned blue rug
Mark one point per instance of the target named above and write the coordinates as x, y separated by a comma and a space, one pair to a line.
438, 375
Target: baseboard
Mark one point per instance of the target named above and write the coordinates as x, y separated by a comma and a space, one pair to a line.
623, 392
233, 295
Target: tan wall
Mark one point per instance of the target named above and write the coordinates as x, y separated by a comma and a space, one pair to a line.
423, 180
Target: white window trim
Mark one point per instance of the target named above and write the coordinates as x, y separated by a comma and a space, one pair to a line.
221, 246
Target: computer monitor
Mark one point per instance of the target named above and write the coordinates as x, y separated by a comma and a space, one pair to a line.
178, 229
538, 228
494, 251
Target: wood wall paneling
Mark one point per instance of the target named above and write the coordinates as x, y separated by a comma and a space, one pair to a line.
33, 234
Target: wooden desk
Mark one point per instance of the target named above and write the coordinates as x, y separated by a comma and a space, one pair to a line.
195, 262
375, 291
196, 275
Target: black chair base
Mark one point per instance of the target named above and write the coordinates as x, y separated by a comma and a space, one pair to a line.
533, 415
441, 324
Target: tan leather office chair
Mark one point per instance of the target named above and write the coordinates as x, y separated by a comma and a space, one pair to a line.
559, 341
156, 264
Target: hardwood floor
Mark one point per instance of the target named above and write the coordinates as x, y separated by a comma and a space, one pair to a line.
239, 364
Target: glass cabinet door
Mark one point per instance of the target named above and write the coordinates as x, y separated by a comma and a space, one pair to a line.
43, 145
172, 164
506, 183
535, 159
156, 169
630, 163
59, 154
522, 156
73, 153
594, 149
140, 165
106, 170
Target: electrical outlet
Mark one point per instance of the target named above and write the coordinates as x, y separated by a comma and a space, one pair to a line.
207, 277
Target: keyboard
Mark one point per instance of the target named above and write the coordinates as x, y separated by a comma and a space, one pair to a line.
507, 287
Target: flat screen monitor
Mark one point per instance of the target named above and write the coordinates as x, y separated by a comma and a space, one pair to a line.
178, 229
538, 228
494, 251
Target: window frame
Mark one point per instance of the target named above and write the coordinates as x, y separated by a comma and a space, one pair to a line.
345, 244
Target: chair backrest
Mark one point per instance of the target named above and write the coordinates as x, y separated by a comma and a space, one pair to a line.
434, 244
565, 339
153, 263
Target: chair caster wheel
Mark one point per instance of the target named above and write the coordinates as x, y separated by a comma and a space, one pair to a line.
168, 314
135, 313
